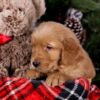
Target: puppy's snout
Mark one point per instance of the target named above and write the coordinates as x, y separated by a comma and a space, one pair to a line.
36, 63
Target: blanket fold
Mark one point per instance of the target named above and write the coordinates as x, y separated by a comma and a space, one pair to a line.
25, 89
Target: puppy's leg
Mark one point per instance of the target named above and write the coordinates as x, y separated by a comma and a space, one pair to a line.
55, 79
25, 71
33, 74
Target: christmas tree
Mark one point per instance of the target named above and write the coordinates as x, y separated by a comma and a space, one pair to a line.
56, 11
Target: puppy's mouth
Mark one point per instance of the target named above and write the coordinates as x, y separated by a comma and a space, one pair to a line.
46, 69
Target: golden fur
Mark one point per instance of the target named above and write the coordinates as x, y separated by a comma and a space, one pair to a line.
60, 55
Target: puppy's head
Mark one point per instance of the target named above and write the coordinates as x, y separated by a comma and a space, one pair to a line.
50, 46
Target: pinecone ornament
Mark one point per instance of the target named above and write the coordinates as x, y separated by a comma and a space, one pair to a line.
73, 21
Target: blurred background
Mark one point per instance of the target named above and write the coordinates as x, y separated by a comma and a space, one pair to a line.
57, 11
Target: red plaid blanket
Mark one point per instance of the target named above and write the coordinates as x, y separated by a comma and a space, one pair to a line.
24, 89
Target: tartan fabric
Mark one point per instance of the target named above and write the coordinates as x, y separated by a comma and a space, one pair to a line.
94, 93
24, 89
15, 89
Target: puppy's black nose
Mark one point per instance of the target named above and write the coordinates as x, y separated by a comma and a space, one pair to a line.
36, 63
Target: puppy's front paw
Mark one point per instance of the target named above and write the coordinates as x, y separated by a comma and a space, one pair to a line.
55, 79
32, 74
3, 72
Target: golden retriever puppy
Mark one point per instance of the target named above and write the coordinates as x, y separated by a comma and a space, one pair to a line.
57, 53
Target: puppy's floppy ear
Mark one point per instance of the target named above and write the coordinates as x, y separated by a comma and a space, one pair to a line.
40, 7
70, 50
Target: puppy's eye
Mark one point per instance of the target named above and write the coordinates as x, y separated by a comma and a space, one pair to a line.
49, 47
